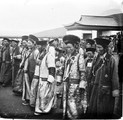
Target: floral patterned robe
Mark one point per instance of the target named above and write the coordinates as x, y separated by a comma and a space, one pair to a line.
74, 95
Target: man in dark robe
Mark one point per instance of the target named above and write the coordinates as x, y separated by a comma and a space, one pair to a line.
20, 75
6, 73
16, 59
105, 89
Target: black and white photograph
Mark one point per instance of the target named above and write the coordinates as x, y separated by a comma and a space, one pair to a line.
61, 59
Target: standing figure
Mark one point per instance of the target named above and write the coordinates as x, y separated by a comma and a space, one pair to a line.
1, 51
88, 63
34, 85
19, 77
74, 94
6, 72
16, 59
46, 89
105, 82
29, 68
59, 76
89, 43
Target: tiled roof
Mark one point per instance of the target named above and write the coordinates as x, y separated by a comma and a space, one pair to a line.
97, 20
58, 32
87, 22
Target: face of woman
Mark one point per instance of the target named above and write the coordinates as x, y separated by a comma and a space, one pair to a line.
100, 49
30, 44
13, 44
6, 43
88, 45
24, 43
70, 48
89, 54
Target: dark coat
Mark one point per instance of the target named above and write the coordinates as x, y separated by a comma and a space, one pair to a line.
6, 73
105, 79
15, 64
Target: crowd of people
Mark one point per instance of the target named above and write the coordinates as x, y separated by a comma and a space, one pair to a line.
82, 77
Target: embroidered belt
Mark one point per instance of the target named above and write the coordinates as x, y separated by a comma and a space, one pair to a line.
36, 77
105, 86
6, 61
44, 79
101, 85
74, 81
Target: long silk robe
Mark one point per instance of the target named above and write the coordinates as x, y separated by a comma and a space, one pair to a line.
74, 100
20, 75
35, 81
46, 91
29, 67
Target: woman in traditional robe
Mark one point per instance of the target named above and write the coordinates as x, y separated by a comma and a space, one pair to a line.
46, 88
6, 68
88, 62
16, 59
34, 85
105, 89
74, 95
19, 77
29, 68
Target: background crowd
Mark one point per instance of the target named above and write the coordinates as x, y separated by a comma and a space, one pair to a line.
81, 77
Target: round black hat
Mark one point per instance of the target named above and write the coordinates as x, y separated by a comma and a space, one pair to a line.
71, 39
42, 42
103, 42
90, 41
90, 49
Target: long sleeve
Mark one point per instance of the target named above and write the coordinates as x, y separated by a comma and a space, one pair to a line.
51, 64
83, 81
51, 58
115, 80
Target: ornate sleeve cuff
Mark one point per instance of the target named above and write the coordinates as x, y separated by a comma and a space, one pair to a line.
25, 71
115, 93
83, 82
52, 71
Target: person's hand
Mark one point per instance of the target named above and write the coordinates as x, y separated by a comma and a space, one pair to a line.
50, 79
82, 84
58, 64
115, 93
14, 56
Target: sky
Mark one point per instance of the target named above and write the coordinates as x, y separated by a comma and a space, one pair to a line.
23, 17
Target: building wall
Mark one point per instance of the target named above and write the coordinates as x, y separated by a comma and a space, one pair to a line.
108, 33
79, 33
82, 33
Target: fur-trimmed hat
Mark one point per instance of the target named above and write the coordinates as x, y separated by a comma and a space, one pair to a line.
42, 42
71, 39
92, 49
25, 37
52, 40
6, 39
15, 40
103, 42
33, 38
90, 41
